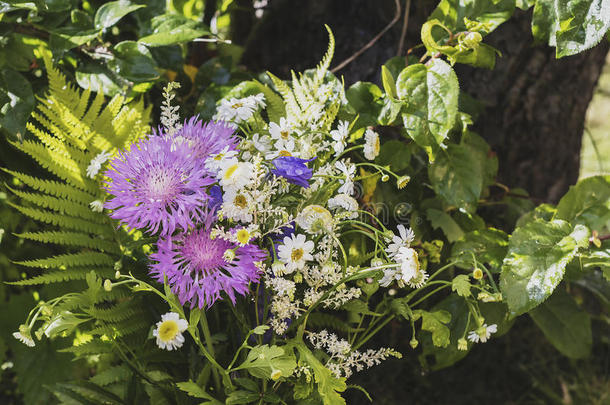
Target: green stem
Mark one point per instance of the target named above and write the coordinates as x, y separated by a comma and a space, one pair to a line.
203, 321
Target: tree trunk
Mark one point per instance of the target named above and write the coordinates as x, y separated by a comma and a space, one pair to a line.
535, 105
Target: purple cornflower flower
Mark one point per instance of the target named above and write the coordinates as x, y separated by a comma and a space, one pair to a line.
198, 268
158, 185
207, 138
293, 169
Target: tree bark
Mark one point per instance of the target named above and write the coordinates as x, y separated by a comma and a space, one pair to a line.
535, 105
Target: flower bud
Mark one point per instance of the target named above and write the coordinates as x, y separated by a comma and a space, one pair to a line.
108, 285
414, 343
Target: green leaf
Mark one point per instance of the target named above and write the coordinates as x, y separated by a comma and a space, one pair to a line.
134, 62
389, 84
431, 92
588, 203
365, 99
440, 219
71, 37
21, 101
538, 253
461, 285
242, 397
396, 154
461, 171
329, 386
194, 390
435, 323
110, 13
97, 79
489, 246
581, 25
492, 13
448, 355
565, 325
269, 362
571, 26
171, 29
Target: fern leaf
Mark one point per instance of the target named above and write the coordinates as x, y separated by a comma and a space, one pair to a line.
71, 239
95, 346
323, 66
55, 188
61, 206
71, 260
275, 105
65, 222
59, 276
292, 106
322, 320
120, 312
123, 328
111, 375
61, 167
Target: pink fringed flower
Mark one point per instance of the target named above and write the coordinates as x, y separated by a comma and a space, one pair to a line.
158, 185
198, 268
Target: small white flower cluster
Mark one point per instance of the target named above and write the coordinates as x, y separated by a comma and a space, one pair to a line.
483, 333
399, 251
342, 359
239, 110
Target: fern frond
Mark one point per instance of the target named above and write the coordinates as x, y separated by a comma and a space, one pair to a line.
58, 276
322, 320
71, 260
54, 188
111, 375
60, 166
116, 313
323, 66
62, 206
72, 239
301, 93
64, 221
123, 328
275, 105
95, 346
292, 106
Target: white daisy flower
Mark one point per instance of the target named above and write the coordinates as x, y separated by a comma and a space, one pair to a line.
283, 147
96, 164
371, 145
215, 162
96, 206
236, 205
24, 336
339, 135
281, 131
242, 236
169, 331
258, 100
348, 170
235, 174
262, 143
346, 202
407, 271
483, 333
236, 110
315, 219
404, 239
295, 251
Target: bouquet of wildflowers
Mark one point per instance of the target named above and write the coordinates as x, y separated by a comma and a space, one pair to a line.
254, 231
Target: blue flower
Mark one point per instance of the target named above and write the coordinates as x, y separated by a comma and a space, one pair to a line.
293, 169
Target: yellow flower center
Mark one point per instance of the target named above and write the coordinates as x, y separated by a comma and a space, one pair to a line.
285, 134
296, 254
285, 153
240, 201
230, 171
243, 236
237, 105
168, 330
377, 146
477, 274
